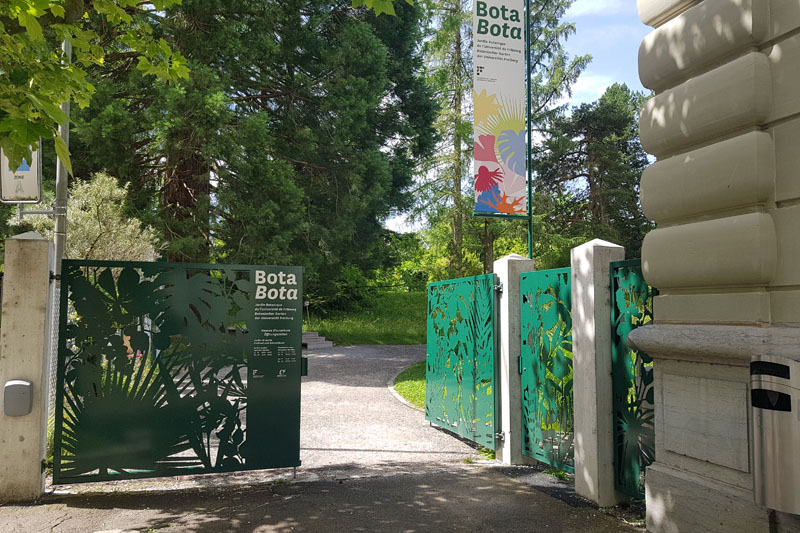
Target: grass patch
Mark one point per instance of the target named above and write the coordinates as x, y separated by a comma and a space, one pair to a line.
410, 384
558, 474
387, 318
487, 454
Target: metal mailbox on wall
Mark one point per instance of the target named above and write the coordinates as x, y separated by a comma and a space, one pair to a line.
775, 400
174, 369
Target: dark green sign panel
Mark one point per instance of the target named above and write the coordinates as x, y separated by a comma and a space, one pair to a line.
174, 369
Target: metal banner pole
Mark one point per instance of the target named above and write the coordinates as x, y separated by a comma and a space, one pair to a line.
529, 125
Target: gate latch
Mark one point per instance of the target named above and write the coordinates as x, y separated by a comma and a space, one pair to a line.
499, 287
500, 436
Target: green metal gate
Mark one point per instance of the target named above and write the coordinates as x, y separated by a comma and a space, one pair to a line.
460, 375
174, 369
632, 375
545, 366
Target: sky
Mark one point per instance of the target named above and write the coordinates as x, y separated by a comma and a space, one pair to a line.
610, 31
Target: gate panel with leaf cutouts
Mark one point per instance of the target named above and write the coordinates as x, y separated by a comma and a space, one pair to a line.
172, 369
632, 378
545, 366
460, 387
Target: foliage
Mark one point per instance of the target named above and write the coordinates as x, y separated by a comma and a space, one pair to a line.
405, 268
410, 384
449, 66
387, 317
445, 195
380, 6
97, 224
294, 137
558, 474
36, 76
589, 169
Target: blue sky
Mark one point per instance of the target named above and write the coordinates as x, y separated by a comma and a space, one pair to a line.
609, 30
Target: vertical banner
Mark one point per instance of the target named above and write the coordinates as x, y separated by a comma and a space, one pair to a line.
499, 107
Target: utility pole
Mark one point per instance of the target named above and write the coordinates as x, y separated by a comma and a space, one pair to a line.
62, 176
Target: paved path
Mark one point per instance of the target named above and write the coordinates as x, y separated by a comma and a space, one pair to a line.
370, 463
351, 420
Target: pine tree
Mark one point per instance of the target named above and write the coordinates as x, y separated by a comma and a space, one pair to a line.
449, 53
590, 169
295, 136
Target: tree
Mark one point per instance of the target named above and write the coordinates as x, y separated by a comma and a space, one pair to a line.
380, 6
98, 225
590, 167
449, 62
36, 76
293, 138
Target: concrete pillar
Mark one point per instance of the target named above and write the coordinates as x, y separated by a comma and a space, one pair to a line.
724, 125
508, 270
591, 356
24, 353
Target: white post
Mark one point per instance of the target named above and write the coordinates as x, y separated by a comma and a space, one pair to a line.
24, 352
591, 345
508, 270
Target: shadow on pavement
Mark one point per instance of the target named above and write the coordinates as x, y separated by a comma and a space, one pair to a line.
458, 500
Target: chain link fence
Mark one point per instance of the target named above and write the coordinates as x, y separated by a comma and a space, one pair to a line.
55, 304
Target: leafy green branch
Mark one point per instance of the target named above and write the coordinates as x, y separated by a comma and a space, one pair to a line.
379, 6
36, 76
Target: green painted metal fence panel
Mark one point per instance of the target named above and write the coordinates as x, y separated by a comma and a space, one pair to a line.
173, 369
460, 375
632, 377
545, 366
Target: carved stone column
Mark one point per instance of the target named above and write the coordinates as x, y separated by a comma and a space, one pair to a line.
724, 126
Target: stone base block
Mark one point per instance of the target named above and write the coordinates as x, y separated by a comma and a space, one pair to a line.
678, 501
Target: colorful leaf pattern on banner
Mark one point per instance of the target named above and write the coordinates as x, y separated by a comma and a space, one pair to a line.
500, 170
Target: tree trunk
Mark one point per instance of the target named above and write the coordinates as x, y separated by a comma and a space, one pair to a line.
488, 247
186, 188
458, 170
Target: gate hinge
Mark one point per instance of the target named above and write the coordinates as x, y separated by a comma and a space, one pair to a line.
499, 287
55, 277
500, 436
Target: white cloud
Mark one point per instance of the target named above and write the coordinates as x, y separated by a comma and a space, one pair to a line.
597, 7
588, 88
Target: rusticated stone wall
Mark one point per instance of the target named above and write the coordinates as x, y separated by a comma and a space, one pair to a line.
724, 126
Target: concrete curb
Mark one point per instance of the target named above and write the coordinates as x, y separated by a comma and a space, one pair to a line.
390, 386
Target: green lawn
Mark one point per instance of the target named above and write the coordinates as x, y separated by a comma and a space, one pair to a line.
411, 384
388, 318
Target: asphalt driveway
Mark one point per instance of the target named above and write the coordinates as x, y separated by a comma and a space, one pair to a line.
370, 463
